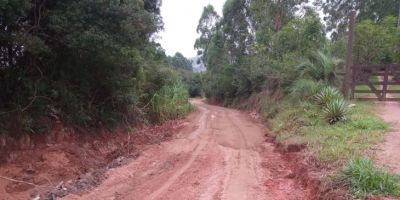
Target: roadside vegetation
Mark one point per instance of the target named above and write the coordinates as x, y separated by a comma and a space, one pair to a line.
332, 129
285, 66
170, 102
96, 63
365, 179
88, 63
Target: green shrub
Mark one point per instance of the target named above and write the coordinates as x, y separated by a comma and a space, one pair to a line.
304, 88
364, 179
326, 95
170, 102
336, 110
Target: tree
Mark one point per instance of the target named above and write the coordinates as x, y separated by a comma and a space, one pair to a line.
247, 53
88, 62
300, 37
237, 29
377, 42
206, 28
337, 12
269, 16
180, 61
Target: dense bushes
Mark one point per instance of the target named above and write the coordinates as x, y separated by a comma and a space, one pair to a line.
196, 85
87, 62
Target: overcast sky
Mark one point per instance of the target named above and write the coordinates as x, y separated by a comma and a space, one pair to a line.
180, 22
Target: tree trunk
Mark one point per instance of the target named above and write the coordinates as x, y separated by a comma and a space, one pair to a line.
278, 16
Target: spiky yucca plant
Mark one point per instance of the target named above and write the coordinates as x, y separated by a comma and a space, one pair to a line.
327, 95
336, 110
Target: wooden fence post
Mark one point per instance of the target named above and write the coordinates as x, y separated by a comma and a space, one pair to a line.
349, 58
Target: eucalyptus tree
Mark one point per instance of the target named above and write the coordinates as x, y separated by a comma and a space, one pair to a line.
206, 28
337, 12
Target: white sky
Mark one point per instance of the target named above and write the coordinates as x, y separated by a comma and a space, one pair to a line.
180, 22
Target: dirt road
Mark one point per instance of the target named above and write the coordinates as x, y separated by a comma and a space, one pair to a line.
220, 154
389, 150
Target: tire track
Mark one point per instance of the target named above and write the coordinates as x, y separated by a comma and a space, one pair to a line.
199, 147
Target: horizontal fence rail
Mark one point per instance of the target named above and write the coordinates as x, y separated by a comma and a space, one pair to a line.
388, 76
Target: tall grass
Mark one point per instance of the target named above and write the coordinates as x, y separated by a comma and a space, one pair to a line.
364, 179
170, 102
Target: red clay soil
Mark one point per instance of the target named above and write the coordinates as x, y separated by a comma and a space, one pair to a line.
220, 154
216, 153
389, 153
67, 161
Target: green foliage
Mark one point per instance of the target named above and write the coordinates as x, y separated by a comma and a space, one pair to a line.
267, 18
300, 37
303, 122
377, 42
336, 110
337, 12
304, 89
321, 67
170, 102
196, 85
206, 28
327, 95
270, 107
238, 65
88, 62
364, 179
179, 61
365, 122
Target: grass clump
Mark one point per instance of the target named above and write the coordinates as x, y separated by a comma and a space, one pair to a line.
170, 102
365, 179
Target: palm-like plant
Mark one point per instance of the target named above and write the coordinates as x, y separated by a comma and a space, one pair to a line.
327, 95
336, 111
321, 67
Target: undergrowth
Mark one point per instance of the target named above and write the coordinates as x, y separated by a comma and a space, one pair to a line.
336, 145
304, 123
363, 178
170, 102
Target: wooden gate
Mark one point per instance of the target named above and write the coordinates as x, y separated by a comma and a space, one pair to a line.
381, 81
375, 81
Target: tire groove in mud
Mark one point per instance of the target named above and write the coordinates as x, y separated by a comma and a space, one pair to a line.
196, 151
